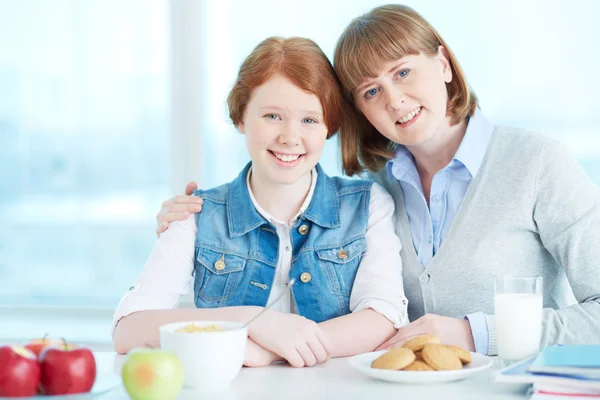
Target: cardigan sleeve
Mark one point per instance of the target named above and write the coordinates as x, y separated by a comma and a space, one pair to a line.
567, 215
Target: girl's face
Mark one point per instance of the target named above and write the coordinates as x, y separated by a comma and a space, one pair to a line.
407, 101
285, 131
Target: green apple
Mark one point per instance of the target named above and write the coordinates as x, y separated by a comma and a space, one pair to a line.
152, 374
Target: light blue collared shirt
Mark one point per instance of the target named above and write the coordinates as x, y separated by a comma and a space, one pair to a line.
429, 225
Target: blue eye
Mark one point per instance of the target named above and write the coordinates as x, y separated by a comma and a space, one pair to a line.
309, 121
371, 92
272, 116
402, 73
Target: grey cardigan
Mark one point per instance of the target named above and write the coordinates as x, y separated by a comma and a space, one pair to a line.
530, 210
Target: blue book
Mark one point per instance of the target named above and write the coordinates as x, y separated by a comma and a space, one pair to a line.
577, 361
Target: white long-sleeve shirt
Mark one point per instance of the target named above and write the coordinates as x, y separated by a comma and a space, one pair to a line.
168, 272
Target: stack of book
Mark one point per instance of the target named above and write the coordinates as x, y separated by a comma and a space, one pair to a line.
559, 372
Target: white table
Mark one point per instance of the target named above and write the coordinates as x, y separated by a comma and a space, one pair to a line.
334, 380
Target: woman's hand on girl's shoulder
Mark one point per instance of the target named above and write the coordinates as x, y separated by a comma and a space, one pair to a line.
178, 208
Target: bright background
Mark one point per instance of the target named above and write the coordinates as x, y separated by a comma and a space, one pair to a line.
109, 107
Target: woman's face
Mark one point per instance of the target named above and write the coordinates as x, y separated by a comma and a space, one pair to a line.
407, 101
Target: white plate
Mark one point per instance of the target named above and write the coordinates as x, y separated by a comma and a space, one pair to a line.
362, 362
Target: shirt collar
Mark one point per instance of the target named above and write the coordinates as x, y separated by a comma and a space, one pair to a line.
474, 145
470, 153
269, 217
242, 218
402, 164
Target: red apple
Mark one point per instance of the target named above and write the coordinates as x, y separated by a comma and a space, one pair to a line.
37, 345
67, 369
19, 372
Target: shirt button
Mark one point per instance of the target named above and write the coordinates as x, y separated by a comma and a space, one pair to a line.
131, 287
430, 239
303, 230
305, 277
287, 248
424, 278
435, 198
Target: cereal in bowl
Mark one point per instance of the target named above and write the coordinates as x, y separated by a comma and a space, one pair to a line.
193, 328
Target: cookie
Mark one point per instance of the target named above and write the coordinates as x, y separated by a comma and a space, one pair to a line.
440, 357
417, 343
394, 359
463, 355
418, 366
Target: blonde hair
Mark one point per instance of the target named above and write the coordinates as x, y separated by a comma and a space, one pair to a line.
302, 62
384, 34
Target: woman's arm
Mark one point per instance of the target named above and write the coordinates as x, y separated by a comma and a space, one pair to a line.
377, 299
566, 211
567, 214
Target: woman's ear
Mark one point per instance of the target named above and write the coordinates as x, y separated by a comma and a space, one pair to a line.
445, 61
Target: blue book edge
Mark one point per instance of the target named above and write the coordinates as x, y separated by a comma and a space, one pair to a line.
520, 373
574, 357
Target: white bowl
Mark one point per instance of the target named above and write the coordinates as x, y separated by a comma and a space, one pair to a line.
211, 360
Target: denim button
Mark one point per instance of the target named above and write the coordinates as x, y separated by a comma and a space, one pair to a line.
424, 278
305, 277
342, 254
303, 230
287, 248
220, 265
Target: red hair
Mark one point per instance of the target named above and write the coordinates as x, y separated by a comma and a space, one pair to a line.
302, 62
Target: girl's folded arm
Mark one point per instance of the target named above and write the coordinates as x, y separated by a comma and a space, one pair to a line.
140, 329
356, 333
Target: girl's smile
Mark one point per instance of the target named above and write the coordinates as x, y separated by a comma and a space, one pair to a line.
286, 160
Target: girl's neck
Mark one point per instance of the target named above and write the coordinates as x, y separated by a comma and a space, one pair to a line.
437, 152
282, 201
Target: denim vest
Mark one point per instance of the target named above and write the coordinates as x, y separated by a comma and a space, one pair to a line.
237, 250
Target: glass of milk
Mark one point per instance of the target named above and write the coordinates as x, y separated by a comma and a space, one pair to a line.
518, 304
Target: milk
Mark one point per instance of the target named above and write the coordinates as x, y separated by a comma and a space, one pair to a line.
518, 324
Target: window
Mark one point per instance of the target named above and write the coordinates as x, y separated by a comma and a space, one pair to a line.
84, 147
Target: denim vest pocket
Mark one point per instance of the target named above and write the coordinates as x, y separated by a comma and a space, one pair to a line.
217, 275
340, 264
